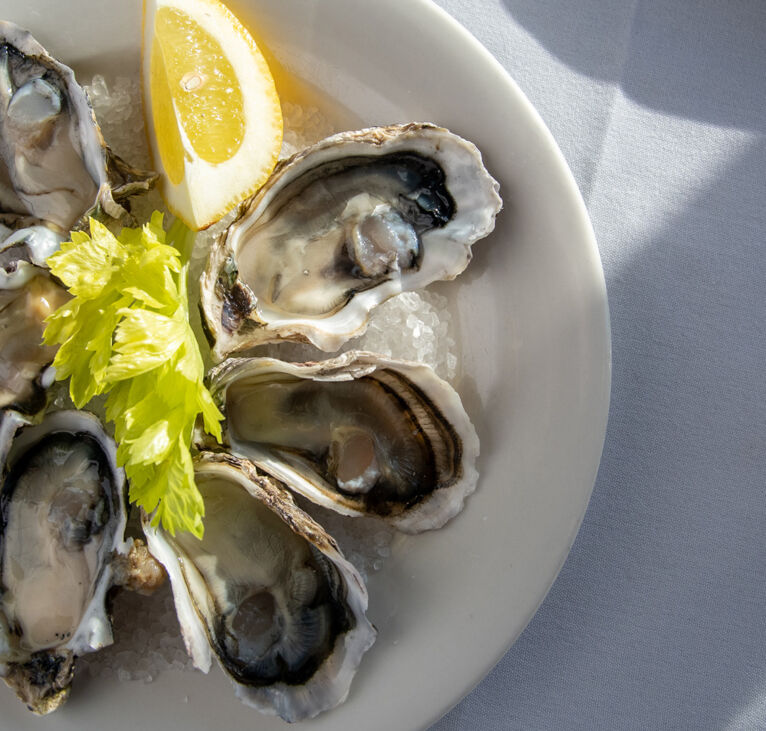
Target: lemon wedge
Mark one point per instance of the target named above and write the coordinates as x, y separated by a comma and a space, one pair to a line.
212, 112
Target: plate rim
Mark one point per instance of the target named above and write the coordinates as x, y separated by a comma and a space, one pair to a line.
596, 270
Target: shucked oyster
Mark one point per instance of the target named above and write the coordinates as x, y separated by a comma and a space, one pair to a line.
361, 434
24, 305
54, 164
55, 169
26, 244
267, 591
341, 227
63, 513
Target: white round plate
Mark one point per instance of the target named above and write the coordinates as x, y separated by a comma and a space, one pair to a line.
532, 325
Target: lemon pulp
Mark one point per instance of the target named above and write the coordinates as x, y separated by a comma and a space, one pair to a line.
214, 118
188, 67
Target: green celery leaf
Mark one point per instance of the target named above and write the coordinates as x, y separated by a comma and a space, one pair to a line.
143, 341
63, 323
173, 494
157, 285
211, 415
85, 264
75, 359
188, 360
181, 498
126, 333
100, 344
154, 444
118, 401
144, 297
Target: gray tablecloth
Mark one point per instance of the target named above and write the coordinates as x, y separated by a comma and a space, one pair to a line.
658, 618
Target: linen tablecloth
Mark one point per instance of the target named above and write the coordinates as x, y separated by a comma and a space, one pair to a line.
658, 618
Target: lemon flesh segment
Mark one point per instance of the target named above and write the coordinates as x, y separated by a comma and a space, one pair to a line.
164, 117
203, 85
215, 123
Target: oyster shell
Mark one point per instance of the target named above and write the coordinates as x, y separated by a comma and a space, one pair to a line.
266, 591
27, 296
361, 434
63, 521
341, 227
54, 164
26, 244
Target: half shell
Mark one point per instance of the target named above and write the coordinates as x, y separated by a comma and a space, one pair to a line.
28, 295
54, 164
341, 227
361, 434
267, 592
63, 521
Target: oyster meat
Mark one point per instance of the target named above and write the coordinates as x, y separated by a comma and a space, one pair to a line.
339, 228
24, 361
54, 164
267, 592
361, 434
63, 521
26, 244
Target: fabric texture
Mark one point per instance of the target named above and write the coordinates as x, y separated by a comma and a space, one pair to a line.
658, 618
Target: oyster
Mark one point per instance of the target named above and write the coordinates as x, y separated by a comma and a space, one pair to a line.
63, 519
267, 591
339, 228
54, 164
55, 170
361, 434
27, 296
26, 244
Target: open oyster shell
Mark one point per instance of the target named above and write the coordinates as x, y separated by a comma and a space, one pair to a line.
55, 167
24, 362
62, 502
26, 244
339, 228
361, 434
267, 592
55, 171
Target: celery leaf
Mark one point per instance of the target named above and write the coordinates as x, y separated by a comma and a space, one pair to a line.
126, 334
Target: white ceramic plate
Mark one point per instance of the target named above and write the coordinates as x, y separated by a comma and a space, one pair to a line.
533, 330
